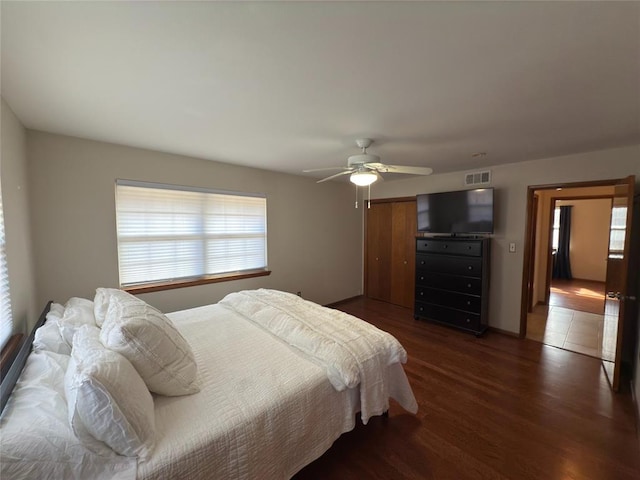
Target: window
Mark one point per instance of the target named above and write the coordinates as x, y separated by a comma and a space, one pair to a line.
6, 323
174, 235
618, 229
555, 238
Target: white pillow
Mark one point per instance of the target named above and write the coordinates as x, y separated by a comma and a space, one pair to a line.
107, 399
148, 339
77, 312
48, 337
56, 310
102, 299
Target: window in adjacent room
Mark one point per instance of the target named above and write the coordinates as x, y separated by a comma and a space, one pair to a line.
6, 324
618, 229
555, 238
171, 236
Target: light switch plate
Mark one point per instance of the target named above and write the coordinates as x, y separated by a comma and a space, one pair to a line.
512, 247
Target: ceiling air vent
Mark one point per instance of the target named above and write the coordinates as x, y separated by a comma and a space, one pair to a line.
477, 178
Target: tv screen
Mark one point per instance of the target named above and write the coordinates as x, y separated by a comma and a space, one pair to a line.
464, 211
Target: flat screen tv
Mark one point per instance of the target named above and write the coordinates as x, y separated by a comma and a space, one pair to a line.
461, 212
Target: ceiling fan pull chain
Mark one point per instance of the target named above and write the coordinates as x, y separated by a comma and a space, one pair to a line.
356, 196
369, 199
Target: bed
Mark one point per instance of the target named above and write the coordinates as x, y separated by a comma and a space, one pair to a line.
278, 379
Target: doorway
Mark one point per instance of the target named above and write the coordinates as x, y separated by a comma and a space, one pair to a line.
567, 304
556, 312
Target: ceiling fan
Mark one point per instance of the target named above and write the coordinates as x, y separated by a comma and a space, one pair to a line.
366, 168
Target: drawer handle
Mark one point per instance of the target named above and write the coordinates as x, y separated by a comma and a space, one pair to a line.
468, 320
470, 267
421, 294
445, 246
468, 302
421, 278
468, 285
421, 262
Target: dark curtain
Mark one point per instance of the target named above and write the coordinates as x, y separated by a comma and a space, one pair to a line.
562, 265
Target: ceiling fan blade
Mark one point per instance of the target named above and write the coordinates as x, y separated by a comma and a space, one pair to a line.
406, 169
323, 169
346, 172
375, 166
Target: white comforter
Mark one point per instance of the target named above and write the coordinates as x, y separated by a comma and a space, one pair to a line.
265, 410
351, 351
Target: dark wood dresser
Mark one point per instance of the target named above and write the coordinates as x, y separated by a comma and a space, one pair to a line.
452, 281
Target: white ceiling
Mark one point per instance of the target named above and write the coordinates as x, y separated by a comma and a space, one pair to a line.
289, 86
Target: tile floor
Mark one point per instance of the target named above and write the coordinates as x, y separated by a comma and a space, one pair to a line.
587, 333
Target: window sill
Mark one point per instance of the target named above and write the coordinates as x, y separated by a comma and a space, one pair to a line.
225, 277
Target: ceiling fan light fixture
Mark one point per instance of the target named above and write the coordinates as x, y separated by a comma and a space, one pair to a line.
362, 179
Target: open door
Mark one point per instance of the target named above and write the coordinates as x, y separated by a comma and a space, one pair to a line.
617, 279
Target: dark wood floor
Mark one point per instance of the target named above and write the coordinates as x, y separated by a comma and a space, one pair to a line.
491, 408
581, 295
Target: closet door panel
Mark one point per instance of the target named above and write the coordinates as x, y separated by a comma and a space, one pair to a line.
403, 232
379, 251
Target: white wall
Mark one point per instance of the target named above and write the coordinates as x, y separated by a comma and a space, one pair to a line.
511, 182
314, 233
15, 195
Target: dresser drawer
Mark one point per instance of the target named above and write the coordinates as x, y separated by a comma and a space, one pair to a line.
456, 318
445, 298
470, 285
467, 266
471, 248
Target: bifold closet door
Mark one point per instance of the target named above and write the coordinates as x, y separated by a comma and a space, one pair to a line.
403, 253
379, 251
390, 259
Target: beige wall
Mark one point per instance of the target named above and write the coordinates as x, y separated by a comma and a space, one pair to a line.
15, 195
511, 182
314, 233
589, 240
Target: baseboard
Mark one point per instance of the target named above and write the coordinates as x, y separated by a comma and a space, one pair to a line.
344, 300
504, 332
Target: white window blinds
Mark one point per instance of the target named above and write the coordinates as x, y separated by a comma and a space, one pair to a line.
6, 324
166, 233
